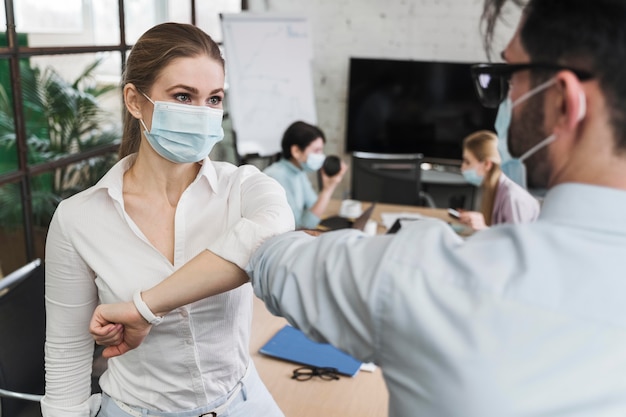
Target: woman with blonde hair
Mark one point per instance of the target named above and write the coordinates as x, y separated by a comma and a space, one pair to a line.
502, 201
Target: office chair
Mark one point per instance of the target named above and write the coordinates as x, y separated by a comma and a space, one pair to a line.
22, 326
23, 330
389, 178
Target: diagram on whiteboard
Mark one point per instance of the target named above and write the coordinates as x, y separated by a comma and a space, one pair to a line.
270, 85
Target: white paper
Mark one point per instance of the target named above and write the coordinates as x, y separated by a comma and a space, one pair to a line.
388, 219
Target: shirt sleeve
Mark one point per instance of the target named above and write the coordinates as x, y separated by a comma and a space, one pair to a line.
517, 205
326, 286
300, 206
71, 297
300, 194
260, 208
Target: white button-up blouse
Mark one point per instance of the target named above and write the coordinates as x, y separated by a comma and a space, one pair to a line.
96, 253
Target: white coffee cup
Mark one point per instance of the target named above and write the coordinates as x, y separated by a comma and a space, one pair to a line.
350, 209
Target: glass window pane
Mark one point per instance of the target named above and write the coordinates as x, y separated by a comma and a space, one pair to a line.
3, 24
22, 39
141, 15
8, 149
45, 199
106, 22
73, 104
208, 15
42, 16
180, 11
81, 175
12, 240
77, 23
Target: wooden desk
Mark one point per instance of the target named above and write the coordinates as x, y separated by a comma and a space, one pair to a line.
365, 395
334, 206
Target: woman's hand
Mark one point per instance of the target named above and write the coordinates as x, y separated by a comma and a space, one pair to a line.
473, 219
332, 182
119, 326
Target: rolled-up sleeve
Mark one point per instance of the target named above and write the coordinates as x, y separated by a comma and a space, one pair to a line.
260, 210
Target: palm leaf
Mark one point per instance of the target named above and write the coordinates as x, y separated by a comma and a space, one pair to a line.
62, 118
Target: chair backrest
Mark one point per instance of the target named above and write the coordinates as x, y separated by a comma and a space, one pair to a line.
394, 179
22, 326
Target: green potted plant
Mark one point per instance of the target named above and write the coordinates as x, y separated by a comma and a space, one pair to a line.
62, 118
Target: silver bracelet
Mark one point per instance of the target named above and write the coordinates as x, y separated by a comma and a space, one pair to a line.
144, 310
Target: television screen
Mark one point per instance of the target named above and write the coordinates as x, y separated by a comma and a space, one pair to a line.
398, 107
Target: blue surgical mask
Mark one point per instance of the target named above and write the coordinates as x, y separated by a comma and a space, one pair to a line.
473, 177
514, 168
184, 133
502, 123
314, 161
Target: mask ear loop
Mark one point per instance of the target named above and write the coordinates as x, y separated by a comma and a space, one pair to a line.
146, 96
582, 105
582, 110
145, 128
525, 97
141, 118
533, 91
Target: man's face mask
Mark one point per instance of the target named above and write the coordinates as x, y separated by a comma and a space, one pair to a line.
184, 133
514, 168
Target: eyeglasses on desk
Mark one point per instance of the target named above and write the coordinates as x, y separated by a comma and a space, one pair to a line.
304, 373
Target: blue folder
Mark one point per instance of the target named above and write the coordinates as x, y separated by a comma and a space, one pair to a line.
292, 345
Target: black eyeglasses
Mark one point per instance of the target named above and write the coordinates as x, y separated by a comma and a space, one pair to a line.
492, 80
305, 373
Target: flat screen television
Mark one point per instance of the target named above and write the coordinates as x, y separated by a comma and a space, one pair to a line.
402, 107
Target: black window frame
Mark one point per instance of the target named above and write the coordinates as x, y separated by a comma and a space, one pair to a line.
13, 52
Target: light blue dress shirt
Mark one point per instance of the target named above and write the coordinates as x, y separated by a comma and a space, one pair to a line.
300, 193
517, 320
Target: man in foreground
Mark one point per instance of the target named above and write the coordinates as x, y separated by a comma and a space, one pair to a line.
517, 320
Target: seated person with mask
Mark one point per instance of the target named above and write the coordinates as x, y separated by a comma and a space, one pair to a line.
302, 152
503, 200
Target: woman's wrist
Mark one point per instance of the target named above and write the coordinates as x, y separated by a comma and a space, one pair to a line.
144, 310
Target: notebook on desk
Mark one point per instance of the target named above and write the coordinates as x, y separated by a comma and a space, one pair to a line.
340, 222
292, 345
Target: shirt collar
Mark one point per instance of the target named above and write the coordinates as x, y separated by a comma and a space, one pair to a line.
586, 205
290, 166
113, 180
207, 170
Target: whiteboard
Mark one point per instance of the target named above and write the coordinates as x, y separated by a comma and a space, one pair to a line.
268, 71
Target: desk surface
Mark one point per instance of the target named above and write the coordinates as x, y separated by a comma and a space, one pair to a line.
365, 395
334, 205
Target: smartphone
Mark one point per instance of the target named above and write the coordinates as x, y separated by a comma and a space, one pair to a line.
454, 213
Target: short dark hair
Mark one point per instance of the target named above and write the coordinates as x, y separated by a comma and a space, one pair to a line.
582, 34
300, 134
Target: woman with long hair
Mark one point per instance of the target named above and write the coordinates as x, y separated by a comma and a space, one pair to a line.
164, 206
503, 200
